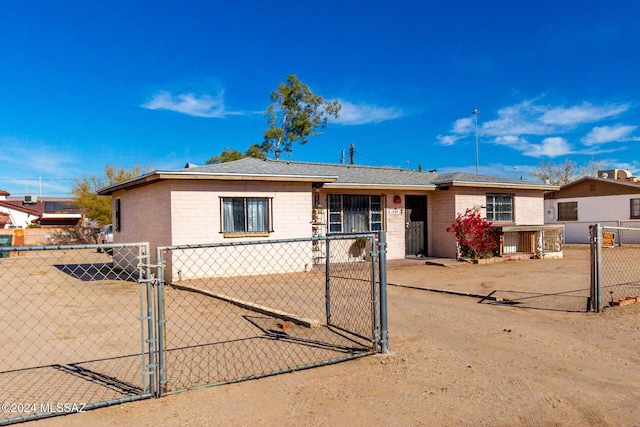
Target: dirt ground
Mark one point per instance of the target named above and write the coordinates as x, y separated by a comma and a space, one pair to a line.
535, 359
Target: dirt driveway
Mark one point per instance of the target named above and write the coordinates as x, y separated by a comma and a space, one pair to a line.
535, 360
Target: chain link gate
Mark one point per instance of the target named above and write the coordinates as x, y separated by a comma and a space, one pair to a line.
236, 311
615, 271
76, 328
86, 326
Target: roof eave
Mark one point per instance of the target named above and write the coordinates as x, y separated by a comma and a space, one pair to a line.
207, 176
509, 185
360, 186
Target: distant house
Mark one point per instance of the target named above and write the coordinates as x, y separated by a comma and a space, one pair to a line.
612, 198
20, 212
267, 199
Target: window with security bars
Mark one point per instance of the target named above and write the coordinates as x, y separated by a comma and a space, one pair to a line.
567, 211
246, 215
500, 207
355, 213
635, 208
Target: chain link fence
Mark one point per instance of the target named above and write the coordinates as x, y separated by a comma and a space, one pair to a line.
87, 326
74, 329
245, 310
615, 271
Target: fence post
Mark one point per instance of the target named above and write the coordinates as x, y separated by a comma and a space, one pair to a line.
384, 336
160, 324
327, 281
375, 263
596, 265
145, 271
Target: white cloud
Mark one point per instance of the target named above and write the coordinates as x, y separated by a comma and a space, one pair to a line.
535, 121
519, 119
191, 104
447, 140
527, 118
604, 134
581, 114
358, 114
463, 126
550, 147
511, 141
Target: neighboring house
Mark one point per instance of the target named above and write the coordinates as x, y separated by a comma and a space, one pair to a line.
5, 218
267, 199
20, 212
613, 198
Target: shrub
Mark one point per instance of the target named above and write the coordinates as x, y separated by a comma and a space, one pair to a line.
74, 236
474, 235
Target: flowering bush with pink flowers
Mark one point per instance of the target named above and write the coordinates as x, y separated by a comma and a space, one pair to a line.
474, 235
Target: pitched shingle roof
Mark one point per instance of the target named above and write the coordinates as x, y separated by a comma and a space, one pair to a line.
355, 174
346, 174
333, 175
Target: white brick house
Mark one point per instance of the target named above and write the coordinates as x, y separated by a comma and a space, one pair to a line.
252, 199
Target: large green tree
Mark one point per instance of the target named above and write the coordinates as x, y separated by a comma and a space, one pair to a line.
231, 154
295, 114
565, 172
85, 191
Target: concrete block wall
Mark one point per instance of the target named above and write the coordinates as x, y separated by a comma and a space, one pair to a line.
145, 216
395, 226
442, 212
529, 207
196, 218
528, 204
196, 209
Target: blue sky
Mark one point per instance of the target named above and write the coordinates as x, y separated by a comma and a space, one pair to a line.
160, 84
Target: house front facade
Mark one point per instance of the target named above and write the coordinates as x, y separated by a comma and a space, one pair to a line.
612, 198
253, 199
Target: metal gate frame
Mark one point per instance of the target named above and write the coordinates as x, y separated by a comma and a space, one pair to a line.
378, 303
148, 350
152, 316
615, 271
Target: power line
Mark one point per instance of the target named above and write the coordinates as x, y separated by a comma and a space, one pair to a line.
371, 158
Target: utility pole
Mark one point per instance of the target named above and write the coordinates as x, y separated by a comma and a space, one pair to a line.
475, 113
351, 154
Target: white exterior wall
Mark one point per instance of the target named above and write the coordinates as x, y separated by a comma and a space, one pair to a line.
19, 219
528, 204
195, 209
188, 212
444, 205
394, 216
196, 219
606, 210
145, 216
442, 212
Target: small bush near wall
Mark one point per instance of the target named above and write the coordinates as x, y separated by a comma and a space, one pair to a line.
43, 236
73, 236
475, 237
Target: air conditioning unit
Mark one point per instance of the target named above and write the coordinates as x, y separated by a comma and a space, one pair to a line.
30, 200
